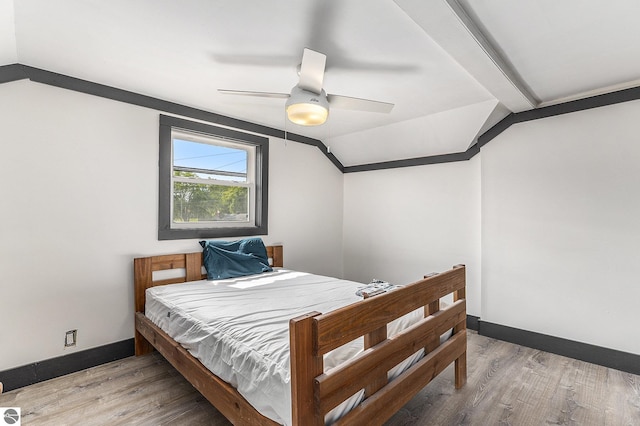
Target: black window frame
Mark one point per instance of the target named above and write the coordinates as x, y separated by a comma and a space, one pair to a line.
261, 144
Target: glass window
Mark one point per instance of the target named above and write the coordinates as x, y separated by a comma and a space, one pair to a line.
213, 181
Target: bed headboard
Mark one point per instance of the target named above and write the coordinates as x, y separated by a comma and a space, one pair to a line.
144, 267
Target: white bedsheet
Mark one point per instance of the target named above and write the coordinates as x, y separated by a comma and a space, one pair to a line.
239, 329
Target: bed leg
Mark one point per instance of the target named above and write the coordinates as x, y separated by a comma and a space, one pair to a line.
460, 367
460, 364
141, 344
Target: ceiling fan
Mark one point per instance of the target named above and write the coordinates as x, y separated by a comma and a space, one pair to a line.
308, 104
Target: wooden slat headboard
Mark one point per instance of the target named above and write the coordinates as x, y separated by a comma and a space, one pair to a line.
143, 268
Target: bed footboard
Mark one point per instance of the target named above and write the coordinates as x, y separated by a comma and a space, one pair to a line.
315, 393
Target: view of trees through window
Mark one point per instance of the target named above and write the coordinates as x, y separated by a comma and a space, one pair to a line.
210, 182
195, 202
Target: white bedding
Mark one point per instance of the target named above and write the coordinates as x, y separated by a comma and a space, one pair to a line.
239, 329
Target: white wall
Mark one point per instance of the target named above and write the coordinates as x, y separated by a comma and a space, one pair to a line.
79, 201
401, 224
561, 228
8, 51
305, 208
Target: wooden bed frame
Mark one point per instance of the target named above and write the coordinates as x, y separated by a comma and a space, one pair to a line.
313, 392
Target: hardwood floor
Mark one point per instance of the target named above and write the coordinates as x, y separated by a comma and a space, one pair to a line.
507, 385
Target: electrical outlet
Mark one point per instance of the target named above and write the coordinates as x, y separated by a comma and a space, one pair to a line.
70, 338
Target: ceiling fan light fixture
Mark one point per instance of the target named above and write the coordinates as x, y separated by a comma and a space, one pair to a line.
307, 114
306, 108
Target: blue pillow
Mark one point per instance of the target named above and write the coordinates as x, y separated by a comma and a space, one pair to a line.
230, 259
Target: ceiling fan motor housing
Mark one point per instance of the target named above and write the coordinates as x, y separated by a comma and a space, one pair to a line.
307, 108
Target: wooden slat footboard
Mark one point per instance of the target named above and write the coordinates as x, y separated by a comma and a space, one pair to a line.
315, 393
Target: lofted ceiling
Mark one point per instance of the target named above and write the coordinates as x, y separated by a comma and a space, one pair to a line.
452, 68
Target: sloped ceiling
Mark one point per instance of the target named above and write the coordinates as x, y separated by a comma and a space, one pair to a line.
564, 50
451, 67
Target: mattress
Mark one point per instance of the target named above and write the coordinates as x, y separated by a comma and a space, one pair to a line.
239, 329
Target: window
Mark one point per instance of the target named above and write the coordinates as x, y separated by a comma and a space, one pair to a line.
213, 181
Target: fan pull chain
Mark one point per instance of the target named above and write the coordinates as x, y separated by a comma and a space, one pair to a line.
285, 128
329, 135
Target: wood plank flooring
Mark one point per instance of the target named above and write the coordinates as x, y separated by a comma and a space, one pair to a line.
507, 385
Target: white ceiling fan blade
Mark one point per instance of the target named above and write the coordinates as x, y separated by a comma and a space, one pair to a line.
347, 102
312, 71
250, 93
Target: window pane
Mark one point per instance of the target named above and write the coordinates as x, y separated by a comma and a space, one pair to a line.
193, 203
206, 161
